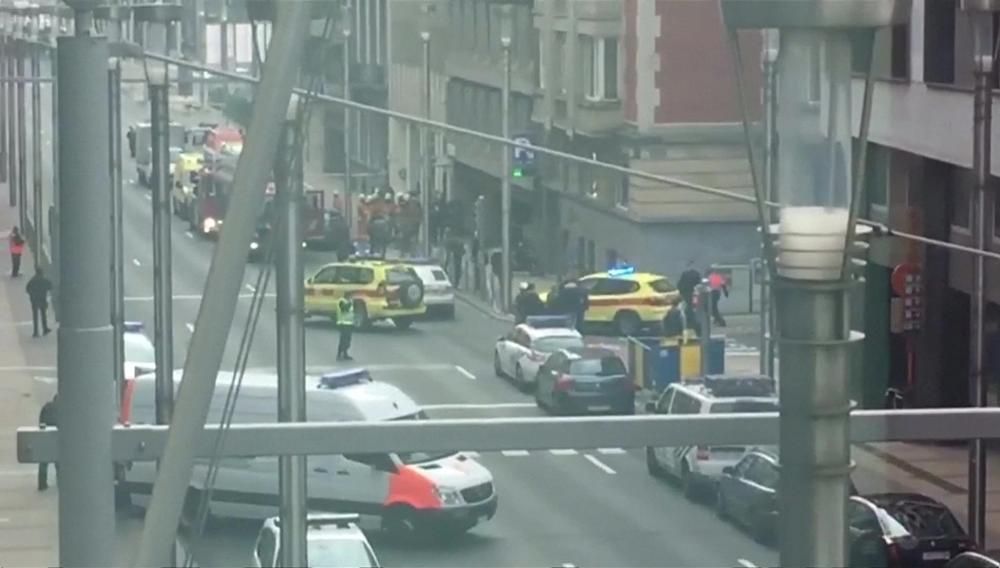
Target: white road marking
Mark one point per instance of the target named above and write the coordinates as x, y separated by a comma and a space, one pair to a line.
16, 324
189, 234
515, 453
250, 287
600, 465
611, 451
569, 452
190, 327
465, 372
136, 262
18, 472
745, 563
474, 455
27, 369
472, 406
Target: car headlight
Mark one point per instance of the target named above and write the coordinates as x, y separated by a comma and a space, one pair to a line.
449, 496
209, 224
254, 245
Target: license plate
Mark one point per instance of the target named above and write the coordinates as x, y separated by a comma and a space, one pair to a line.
937, 555
599, 408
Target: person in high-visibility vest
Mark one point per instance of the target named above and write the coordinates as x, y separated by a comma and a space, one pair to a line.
16, 246
719, 286
345, 323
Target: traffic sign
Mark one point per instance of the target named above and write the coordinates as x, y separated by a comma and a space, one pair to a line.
522, 156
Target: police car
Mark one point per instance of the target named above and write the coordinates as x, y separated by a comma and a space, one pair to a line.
139, 356
699, 467
332, 541
520, 353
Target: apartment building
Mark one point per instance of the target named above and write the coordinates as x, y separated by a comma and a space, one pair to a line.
920, 181
647, 84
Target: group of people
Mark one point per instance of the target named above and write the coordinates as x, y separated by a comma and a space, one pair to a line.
564, 299
385, 216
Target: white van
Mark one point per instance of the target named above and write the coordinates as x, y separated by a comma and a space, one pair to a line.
441, 492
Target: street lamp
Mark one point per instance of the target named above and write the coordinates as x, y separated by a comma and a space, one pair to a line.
427, 13
346, 28
809, 251
505, 39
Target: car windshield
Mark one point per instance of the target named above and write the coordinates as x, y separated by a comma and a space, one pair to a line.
138, 349
439, 275
340, 553
399, 275
553, 344
412, 458
663, 286
605, 367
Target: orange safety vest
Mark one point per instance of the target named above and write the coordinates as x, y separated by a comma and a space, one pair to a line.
16, 247
716, 281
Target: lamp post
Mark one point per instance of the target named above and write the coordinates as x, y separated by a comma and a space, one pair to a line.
36, 153
505, 173
809, 251
22, 49
4, 54
427, 154
346, 23
770, 56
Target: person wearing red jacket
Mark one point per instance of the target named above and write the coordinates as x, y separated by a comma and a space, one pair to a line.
16, 247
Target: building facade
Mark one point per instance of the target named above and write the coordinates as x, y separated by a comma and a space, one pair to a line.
920, 181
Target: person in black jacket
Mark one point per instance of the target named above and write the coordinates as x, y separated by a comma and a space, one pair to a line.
528, 303
38, 289
46, 417
688, 281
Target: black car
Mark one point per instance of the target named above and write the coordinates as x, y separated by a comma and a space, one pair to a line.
588, 380
972, 560
903, 530
748, 494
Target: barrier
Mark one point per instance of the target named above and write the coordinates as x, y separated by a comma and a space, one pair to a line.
656, 362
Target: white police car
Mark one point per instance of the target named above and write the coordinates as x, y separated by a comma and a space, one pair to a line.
139, 351
332, 541
520, 353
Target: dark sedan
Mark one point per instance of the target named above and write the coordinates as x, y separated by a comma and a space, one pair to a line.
582, 381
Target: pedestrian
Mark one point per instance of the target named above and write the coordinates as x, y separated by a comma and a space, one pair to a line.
345, 324
532, 302
46, 417
16, 246
456, 251
686, 284
719, 285
38, 289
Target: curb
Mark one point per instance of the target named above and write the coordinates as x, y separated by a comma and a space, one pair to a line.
478, 306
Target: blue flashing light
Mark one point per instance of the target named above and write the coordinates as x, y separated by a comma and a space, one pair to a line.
621, 271
346, 378
133, 327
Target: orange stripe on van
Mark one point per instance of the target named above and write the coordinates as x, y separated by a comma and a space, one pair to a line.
409, 486
128, 393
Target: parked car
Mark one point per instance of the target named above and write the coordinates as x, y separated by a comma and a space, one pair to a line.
582, 381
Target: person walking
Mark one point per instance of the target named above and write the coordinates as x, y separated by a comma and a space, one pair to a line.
719, 285
345, 324
38, 289
16, 246
686, 284
46, 417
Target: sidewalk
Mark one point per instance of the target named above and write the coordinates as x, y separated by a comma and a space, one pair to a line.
28, 518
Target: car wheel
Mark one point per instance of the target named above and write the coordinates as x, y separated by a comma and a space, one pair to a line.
361, 314
403, 322
721, 507
497, 368
688, 485
400, 523
538, 400
653, 464
627, 323
519, 378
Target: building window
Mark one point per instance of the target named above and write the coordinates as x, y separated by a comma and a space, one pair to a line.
541, 62
961, 205
600, 67
996, 214
623, 187
557, 56
939, 41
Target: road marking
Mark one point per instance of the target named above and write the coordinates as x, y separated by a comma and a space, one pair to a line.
190, 327
474, 455
136, 262
470, 406
515, 453
189, 234
26, 369
611, 451
250, 287
18, 472
569, 452
745, 563
16, 324
465, 372
600, 465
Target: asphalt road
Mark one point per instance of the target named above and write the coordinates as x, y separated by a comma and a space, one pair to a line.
598, 508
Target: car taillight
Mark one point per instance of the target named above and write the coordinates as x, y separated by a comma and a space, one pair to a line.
380, 290
563, 383
702, 453
893, 552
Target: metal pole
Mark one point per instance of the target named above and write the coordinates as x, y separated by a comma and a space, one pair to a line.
22, 139
86, 400
704, 295
12, 118
4, 55
982, 33
291, 344
189, 46
218, 304
767, 351
54, 224
505, 179
162, 271
37, 208
117, 246
428, 152
348, 182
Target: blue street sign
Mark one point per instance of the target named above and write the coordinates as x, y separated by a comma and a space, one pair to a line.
523, 156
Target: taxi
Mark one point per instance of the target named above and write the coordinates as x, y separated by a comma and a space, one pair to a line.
626, 299
185, 172
382, 290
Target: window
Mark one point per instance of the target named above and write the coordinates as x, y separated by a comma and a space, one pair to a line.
663, 286
553, 344
614, 287
961, 206
685, 404
622, 193
541, 62
557, 55
600, 67
763, 473
603, 367
996, 214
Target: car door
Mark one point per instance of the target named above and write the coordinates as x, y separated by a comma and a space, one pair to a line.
663, 407
518, 348
503, 348
683, 403
597, 310
608, 296
761, 485
737, 490
321, 291
547, 376
363, 484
